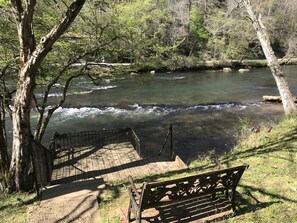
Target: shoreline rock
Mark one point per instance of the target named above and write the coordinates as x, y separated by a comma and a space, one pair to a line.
227, 69
243, 70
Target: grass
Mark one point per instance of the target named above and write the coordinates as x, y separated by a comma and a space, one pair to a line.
14, 207
268, 189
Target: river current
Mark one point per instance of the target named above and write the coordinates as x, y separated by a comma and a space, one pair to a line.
203, 106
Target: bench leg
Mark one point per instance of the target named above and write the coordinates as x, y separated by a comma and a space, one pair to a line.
138, 217
233, 200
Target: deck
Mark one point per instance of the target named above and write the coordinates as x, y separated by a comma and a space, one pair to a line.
111, 161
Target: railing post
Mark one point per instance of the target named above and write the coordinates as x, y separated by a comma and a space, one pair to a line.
171, 141
169, 134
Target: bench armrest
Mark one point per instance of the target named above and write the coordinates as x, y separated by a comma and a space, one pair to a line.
134, 204
133, 187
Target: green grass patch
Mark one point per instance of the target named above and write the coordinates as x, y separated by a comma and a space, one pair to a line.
14, 207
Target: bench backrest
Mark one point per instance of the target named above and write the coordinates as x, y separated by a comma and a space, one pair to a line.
192, 186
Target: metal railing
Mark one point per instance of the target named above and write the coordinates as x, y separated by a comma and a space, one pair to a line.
43, 160
168, 135
135, 141
78, 140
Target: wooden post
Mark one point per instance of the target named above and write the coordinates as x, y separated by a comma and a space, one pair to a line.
171, 142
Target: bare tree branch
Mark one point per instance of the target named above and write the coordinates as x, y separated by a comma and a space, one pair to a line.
44, 120
47, 42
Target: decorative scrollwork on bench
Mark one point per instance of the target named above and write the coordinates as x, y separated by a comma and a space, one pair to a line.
167, 192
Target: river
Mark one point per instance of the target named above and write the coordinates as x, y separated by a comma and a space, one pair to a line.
203, 106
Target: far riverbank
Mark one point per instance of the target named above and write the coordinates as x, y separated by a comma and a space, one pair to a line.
176, 64
194, 64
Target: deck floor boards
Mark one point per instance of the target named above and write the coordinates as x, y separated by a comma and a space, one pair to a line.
111, 162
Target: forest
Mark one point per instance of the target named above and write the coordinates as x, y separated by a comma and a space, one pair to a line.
160, 34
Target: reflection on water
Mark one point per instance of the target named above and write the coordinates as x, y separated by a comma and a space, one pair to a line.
203, 107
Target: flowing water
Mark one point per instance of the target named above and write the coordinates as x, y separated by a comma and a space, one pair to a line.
203, 106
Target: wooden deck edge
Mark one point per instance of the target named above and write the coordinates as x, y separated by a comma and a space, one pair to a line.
178, 161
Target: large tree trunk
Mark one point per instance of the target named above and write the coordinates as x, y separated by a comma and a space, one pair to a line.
31, 58
21, 147
282, 85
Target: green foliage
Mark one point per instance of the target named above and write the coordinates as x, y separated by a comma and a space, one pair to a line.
242, 129
3, 3
142, 29
8, 40
230, 36
197, 24
135, 31
198, 32
180, 62
280, 19
282, 25
152, 63
216, 26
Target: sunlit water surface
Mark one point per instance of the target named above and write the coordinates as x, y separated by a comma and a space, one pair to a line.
203, 106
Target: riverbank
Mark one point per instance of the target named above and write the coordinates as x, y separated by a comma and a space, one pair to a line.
180, 63
267, 191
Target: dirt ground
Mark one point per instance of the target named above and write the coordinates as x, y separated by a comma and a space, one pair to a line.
73, 202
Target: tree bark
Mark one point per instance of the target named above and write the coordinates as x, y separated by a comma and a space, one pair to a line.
31, 58
279, 77
4, 160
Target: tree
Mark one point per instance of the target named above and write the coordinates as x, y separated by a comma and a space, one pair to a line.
279, 77
8, 76
4, 159
31, 55
143, 30
198, 33
216, 32
283, 27
84, 40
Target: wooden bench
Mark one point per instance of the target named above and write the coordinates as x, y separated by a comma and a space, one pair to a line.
160, 194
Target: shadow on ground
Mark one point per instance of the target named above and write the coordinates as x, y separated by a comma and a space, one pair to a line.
72, 202
90, 186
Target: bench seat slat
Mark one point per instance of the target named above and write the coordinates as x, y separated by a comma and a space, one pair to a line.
165, 202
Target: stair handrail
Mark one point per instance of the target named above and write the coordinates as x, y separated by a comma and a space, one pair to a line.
169, 133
